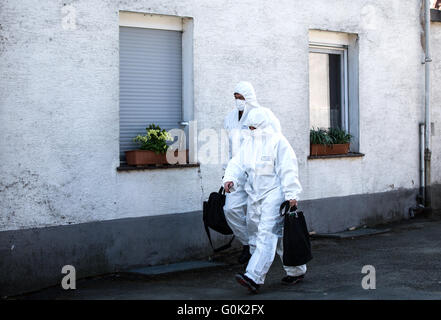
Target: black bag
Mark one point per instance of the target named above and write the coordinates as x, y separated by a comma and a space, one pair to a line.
214, 217
296, 244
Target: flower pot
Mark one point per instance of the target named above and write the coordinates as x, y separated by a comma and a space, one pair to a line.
144, 157
147, 157
323, 150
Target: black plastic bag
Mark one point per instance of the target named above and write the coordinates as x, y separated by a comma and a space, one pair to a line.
296, 244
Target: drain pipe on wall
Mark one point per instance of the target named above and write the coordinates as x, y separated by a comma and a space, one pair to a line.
427, 125
420, 207
421, 199
425, 196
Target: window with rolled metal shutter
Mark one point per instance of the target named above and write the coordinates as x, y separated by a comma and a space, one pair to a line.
150, 82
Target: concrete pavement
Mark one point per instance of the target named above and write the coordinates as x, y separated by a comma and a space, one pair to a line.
406, 259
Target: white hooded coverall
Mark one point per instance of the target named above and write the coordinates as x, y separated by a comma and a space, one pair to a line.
235, 203
268, 165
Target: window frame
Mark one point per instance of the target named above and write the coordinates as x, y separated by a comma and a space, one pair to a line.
342, 50
185, 25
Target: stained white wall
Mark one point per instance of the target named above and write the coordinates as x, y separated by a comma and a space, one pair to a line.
436, 100
59, 101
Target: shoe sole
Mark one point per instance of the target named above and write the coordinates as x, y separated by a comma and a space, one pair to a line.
244, 283
292, 283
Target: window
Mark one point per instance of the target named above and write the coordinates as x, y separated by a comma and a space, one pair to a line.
155, 74
328, 87
333, 82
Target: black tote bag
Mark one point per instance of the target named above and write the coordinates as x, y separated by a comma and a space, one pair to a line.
214, 217
296, 244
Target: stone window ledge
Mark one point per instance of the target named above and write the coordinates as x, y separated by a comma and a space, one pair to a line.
334, 156
125, 167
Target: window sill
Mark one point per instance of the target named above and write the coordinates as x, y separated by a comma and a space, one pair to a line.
125, 167
334, 156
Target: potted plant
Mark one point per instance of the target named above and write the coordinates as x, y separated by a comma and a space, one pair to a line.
153, 147
329, 142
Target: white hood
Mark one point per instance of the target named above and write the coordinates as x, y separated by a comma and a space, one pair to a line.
246, 89
260, 119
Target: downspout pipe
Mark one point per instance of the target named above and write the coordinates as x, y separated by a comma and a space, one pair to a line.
420, 207
421, 201
427, 150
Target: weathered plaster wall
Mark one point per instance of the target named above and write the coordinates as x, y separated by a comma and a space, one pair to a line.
59, 101
436, 100
436, 112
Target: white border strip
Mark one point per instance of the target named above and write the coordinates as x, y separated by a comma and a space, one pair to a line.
150, 21
328, 37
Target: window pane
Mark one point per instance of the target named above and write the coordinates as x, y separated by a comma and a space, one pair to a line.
319, 90
335, 89
325, 90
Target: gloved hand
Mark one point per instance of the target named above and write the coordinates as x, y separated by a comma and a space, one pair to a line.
228, 186
292, 203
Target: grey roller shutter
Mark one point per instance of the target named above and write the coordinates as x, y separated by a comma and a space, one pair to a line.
150, 82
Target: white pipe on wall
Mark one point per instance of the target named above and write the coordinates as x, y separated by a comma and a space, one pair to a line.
427, 60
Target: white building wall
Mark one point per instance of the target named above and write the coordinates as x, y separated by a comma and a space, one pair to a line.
59, 101
436, 101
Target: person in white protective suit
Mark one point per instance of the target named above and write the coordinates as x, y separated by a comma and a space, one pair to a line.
234, 123
267, 164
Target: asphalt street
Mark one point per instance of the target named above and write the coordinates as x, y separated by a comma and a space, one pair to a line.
406, 261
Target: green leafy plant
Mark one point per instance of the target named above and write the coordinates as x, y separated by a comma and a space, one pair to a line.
155, 139
339, 136
329, 136
319, 136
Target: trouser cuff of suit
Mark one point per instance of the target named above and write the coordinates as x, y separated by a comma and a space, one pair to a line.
257, 280
295, 271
